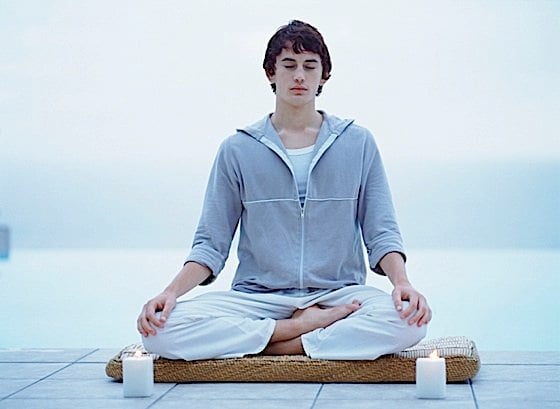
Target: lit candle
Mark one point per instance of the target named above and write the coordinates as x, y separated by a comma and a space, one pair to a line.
138, 375
430, 377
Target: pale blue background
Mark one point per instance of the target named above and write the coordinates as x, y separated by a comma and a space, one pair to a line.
111, 112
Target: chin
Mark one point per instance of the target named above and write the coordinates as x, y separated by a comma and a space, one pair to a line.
298, 100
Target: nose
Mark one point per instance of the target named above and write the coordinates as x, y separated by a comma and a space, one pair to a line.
299, 76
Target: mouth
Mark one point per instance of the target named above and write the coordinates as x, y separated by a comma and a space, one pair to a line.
298, 89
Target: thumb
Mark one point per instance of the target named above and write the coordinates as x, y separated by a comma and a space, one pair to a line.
167, 308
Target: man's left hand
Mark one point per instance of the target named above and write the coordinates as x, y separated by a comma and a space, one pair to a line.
418, 311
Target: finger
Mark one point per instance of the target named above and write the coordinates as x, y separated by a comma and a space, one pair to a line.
412, 307
144, 323
397, 299
151, 316
415, 318
154, 320
139, 322
426, 318
168, 307
423, 314
429, 316
144, 327
140, 329
422, 318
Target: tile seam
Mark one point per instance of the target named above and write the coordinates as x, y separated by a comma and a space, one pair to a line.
317, 396
151, 405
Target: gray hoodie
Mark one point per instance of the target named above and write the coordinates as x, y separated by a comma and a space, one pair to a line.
284, 246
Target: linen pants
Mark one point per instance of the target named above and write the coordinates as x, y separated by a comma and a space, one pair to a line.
228, 324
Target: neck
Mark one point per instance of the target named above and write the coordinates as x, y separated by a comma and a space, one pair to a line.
297, 128
296, 118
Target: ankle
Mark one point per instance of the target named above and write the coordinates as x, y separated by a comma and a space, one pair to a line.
290, 347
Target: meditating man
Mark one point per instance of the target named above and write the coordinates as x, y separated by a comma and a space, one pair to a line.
307, 189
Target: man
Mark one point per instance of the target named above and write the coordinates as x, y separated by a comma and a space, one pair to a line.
308, 189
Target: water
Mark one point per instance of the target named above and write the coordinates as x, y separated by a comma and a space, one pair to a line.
502, 299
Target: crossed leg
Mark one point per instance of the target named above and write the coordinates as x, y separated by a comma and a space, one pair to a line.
286, 338
356, 322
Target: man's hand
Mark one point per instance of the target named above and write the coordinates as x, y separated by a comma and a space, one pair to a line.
191, 275
418, 309
147, 322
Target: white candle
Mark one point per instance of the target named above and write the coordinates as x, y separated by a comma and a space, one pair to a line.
430, 377
138, 375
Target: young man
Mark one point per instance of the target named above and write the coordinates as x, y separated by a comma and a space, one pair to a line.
307, 189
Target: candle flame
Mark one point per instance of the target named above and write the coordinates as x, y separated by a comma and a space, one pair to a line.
434, 354
137, 354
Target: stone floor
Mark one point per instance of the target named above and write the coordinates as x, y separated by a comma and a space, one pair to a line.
75, 378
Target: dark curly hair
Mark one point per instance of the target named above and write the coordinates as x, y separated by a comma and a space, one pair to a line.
301, 37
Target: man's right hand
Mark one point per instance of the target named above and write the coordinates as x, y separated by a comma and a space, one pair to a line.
148, 322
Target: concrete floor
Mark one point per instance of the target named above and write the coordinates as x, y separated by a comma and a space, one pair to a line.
75, 378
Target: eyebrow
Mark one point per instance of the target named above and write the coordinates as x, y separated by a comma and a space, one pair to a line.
288, 59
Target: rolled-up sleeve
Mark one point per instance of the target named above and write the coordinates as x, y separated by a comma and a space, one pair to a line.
376, 213
220, 215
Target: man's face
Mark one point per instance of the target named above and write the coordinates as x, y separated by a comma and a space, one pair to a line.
297, 76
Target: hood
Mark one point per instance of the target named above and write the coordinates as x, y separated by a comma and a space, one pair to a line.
335, 126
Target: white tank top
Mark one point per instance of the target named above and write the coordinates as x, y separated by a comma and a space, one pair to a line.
301, 160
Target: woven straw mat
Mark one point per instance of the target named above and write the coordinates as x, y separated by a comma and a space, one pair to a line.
460, 353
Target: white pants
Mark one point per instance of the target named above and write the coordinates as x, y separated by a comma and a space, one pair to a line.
230, 324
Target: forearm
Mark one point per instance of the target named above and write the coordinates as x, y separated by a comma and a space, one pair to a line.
393, 266
191, 275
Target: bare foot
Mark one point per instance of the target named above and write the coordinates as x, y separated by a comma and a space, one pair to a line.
286, 339
317, 316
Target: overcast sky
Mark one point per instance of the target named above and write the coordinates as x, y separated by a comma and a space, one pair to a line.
89, 84
112, 80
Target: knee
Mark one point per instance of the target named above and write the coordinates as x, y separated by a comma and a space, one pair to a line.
411, 334
398, 330
416, 333
161, 344
157, 344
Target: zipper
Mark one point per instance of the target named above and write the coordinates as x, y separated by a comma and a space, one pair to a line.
314, 161
302, 244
